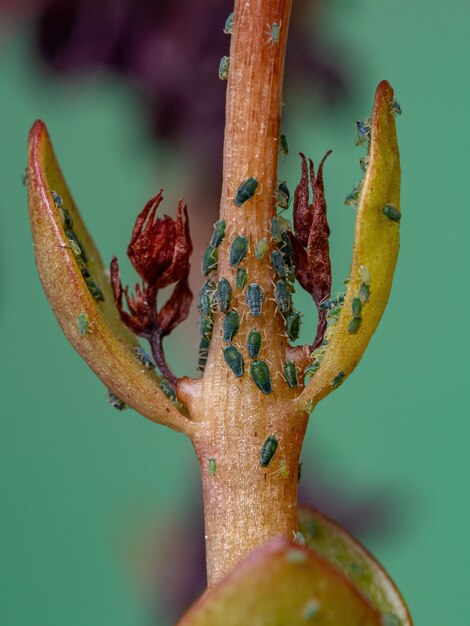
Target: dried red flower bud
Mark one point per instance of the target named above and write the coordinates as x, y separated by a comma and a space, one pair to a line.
139, 318
176, 309
160, 248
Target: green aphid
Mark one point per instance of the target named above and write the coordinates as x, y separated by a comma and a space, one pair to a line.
57, 199
290, 373
224, 67
144, 358
254, 299
82, 266
354, 325
332, 303
74, 247
283, 470
364, 132
94, 289
115, 402
364, 274
353, 197
364, 292
311, 610
261, 248
279, 225
238, 250
209, 260
293, 322
224, 295
364, 162
259, 372
268, 451
83, 324
212, 467
275, 33
231, 325
234, 360
72, 236
228, 28
356, 306
286, 249
392, 212
218, 234
282, 297
203, 353
389, 619
282, 196
338, 379
253, 343
68, 221
206, 297
396, 107
283, 145
206, 326
167, 389
246, 191
24, 176
277, 261
312, 368
240, 278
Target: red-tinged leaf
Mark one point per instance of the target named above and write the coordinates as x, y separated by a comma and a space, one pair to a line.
107, 346
176, 309
336, 545
283, 584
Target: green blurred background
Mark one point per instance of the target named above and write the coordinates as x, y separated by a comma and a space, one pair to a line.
86, 491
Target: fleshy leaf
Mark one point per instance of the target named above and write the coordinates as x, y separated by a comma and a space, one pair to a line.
375, 252
340, 548
283, 584
61, 252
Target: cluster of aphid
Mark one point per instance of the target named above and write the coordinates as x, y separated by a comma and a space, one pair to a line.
76, 246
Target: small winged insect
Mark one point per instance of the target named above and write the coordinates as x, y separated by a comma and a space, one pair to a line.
253, 343
268, 451
353, 197
231, 325
254, 299
392, 212
94, 290
282, 297
293, 322
277, 261
83, 324
114, 401
234, 360
290, 373
209, 260
228, 28
363, 132
261, 248
224, 295
238, 250
396, 107
218, 234
275, 33
338, 379
144, 358
282, 196
224, 66
203, 353
240, 278
246, 191
212, 467
283, 145
259, 372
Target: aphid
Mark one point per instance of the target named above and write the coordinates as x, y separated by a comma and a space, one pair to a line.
354, 325
353, 197
67, 218
261, 248
283, 145
231, 325
83, 324
167, 389
115, 402
24, 176
286, 248
356, 306
74, 247
364, 162
72, 236
229, 25
392, 212
277, 261
57, 199
282, 297
224, 66
396, 107
282, 196
212, 467
310, 610
209, 260
218, 234
309, 406
94, 289
389, 619
268, 451
253, 343
234, 360
299, 539
364, 292
240, 279
254, 299
283, 470
82, 267
363, 132
293, 322
332, 303
338, 379
203, 353
144, 358
275, 33
290, 372
259, 372
238, 250
206, 326
224, 294
206, 297
245, 191
364, 274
